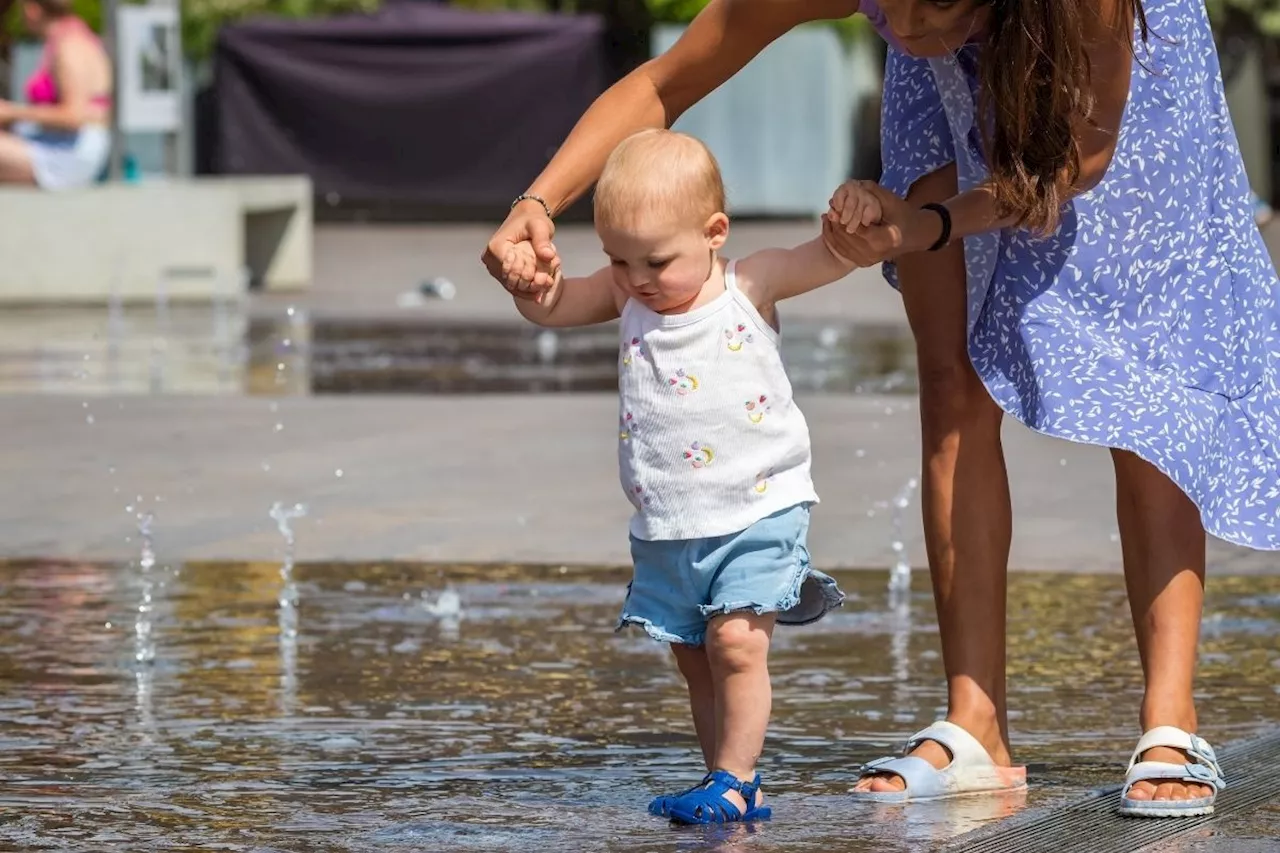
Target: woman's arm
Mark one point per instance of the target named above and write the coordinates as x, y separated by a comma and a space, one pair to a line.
723, 38
73, 67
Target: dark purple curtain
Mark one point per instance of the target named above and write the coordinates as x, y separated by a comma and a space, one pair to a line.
420, 103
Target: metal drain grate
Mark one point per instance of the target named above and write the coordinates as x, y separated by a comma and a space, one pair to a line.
1092, 824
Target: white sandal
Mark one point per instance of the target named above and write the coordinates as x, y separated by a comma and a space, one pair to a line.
970, 772
1201, 769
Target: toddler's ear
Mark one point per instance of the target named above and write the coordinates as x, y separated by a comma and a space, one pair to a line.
716, 230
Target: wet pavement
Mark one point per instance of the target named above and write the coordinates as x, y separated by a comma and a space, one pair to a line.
493, 708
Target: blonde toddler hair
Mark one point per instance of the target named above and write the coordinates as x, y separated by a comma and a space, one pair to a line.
659, 174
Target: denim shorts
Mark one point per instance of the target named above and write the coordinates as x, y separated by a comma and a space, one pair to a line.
679, 584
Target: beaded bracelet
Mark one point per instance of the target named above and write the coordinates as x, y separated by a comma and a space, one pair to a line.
531, 197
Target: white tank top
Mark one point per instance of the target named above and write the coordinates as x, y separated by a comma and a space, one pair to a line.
709, 439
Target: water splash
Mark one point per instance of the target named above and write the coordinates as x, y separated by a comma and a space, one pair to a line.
288, 600
447, 608
147, 558
144, 643
900, 571
160, 340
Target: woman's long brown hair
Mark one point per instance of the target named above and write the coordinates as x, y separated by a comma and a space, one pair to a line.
1036, 89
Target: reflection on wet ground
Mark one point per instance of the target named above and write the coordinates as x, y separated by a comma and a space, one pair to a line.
495, 709
218, 349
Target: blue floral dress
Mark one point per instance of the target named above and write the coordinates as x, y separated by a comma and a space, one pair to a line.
1149, 322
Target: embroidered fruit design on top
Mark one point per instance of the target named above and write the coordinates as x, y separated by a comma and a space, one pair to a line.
631, 350
626, 426
737, 336
699, 455
757, 409
762, 482
638, 497
683, 383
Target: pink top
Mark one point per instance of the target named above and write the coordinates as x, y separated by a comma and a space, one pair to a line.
41, 87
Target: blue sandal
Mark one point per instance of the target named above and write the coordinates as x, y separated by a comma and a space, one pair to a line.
661, 806
707, 804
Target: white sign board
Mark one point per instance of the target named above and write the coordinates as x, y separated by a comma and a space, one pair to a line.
150, 64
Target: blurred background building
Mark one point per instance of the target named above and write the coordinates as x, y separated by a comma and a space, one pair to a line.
422, 109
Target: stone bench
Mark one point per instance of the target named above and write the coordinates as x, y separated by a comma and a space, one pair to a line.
192, 239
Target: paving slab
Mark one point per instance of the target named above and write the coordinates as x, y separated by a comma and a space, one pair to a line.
495, 478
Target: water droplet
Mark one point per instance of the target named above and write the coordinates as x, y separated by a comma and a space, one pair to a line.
85, 404
888, 410
871, 513
111, 470
564, 570
290, 310
279, 426
859, 453
287, 342
338, 473
266, 466
87, 357
279, 365
128, 508
1062, 462
107, 625
89, 420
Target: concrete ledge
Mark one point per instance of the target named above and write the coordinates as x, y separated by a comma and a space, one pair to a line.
191, 239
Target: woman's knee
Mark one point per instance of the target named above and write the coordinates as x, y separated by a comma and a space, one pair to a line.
15, 161
952, 396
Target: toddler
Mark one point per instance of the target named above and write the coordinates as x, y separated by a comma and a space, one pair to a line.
713, 452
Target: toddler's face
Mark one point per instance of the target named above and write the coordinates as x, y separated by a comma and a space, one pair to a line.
663, 264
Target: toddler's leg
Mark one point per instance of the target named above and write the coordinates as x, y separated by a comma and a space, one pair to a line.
738, 654
696, 670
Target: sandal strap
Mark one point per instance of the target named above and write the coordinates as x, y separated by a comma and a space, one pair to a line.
727, 779
1196, 748
1151, 771
964, 747
708, 804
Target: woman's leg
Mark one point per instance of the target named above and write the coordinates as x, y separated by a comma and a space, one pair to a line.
15, 161
1164, 559
738, 651
696, 670
967, 516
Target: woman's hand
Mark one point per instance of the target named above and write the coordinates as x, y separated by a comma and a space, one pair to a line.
902, 228
525, 275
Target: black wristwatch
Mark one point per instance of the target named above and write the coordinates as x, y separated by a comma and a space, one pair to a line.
945, 215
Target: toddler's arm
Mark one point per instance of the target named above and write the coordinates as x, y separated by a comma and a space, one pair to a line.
568, 301
772, 275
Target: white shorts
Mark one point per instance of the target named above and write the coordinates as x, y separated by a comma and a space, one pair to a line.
66, 159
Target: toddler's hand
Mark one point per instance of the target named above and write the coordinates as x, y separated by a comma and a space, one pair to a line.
855, 206
521, 262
